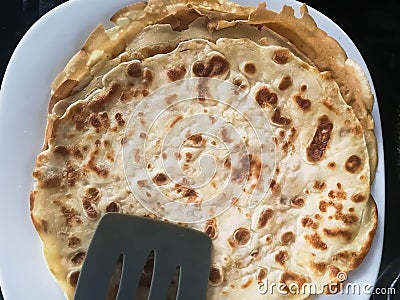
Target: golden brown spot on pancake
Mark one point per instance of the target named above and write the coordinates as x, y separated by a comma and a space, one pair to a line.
316, 241
134, 70
285, 83
333, 272
147, 77
227, 163
303, 88
237, 82
71, 217
217, 65
74, 242
176, 73
319, 185
337, 194
292, 279
197, 139
281, 56
266, 215
211, 228
264, 97
77, 153
160, 179
93, 195
303, 103
287, 238
73, 278
90, 209
351, 209
318, 267
103, 172
323, 206
120, 120
278, 119
112, 207
353, 164
250, 68
358, 197
307, 222
176, 120
241, 236
98, 103
61, 150
261, 275
332, 165
215, 276
50, 181
247, 283
268, 240
78, 258
274, 186
297, 202
336, 232
347, 219
188, 156
316, 149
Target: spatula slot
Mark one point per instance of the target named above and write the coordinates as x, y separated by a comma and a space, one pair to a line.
115, 279
173, 287
143, 289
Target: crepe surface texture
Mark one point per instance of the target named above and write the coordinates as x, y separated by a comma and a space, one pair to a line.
249, 125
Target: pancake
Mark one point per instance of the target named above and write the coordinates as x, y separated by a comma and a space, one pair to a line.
221, 118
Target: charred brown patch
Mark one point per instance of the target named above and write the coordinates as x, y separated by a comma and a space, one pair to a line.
285, 83
316, 149
281, 257
316, 241
266, 215
215, 276
120, 120
73, 278
278, 119
297, 202
78, 258
336, 232
287, 237
216, 66
241, 236
176, 120
250, 68
303, 103
353, 164
113, 207
176, 73
134, 70
281, 56
160, 179
74, 242
211, 228
319, 185
357, 198
98, 103
264, 97
61, 150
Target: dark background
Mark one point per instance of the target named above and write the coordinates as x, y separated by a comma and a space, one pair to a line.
373, 26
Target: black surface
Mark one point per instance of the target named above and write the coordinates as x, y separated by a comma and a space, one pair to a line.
374, 26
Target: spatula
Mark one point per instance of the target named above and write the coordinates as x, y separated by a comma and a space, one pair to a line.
135, 237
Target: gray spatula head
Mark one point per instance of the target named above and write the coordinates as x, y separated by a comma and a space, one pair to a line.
135, 237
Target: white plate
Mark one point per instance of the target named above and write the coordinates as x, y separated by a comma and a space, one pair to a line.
39, 57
